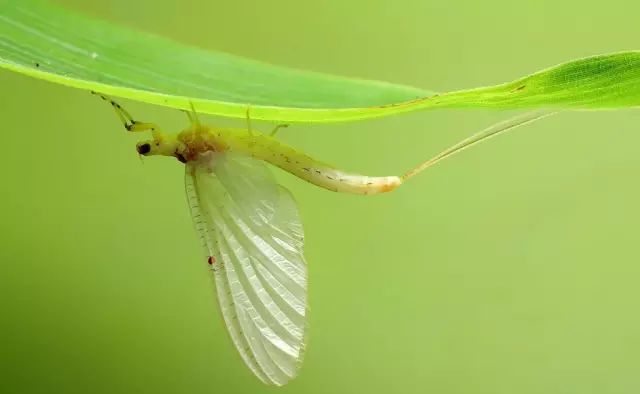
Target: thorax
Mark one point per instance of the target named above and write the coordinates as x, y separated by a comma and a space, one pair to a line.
201, 140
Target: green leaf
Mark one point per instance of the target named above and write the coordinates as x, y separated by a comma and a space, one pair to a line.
51, 43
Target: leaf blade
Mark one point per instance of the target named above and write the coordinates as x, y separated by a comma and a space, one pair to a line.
597, 82
42, 40
48, 42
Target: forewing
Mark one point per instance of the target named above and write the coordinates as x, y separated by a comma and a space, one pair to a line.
253, 238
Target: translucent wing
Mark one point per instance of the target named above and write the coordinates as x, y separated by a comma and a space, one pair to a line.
253, 238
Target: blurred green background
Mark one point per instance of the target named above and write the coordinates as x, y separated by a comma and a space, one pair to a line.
512, 268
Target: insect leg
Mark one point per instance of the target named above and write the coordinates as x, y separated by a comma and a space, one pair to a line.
249, 120
122, 114
189, 116
277, 128
192, 115
127, 120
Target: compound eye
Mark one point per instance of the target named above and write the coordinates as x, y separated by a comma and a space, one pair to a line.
143, 149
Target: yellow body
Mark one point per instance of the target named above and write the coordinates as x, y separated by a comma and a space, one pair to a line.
189, 144
197, 140
251, 230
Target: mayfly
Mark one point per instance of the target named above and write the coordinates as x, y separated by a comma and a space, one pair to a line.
251, 231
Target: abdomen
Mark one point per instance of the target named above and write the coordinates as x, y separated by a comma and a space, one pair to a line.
304, 167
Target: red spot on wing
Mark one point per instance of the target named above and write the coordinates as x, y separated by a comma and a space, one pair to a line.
211, 260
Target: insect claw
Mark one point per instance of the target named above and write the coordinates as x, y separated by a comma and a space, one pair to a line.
277, 128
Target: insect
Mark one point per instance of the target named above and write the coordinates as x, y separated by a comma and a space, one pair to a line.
251, 231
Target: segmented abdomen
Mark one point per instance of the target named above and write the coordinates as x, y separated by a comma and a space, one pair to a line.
304, 167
